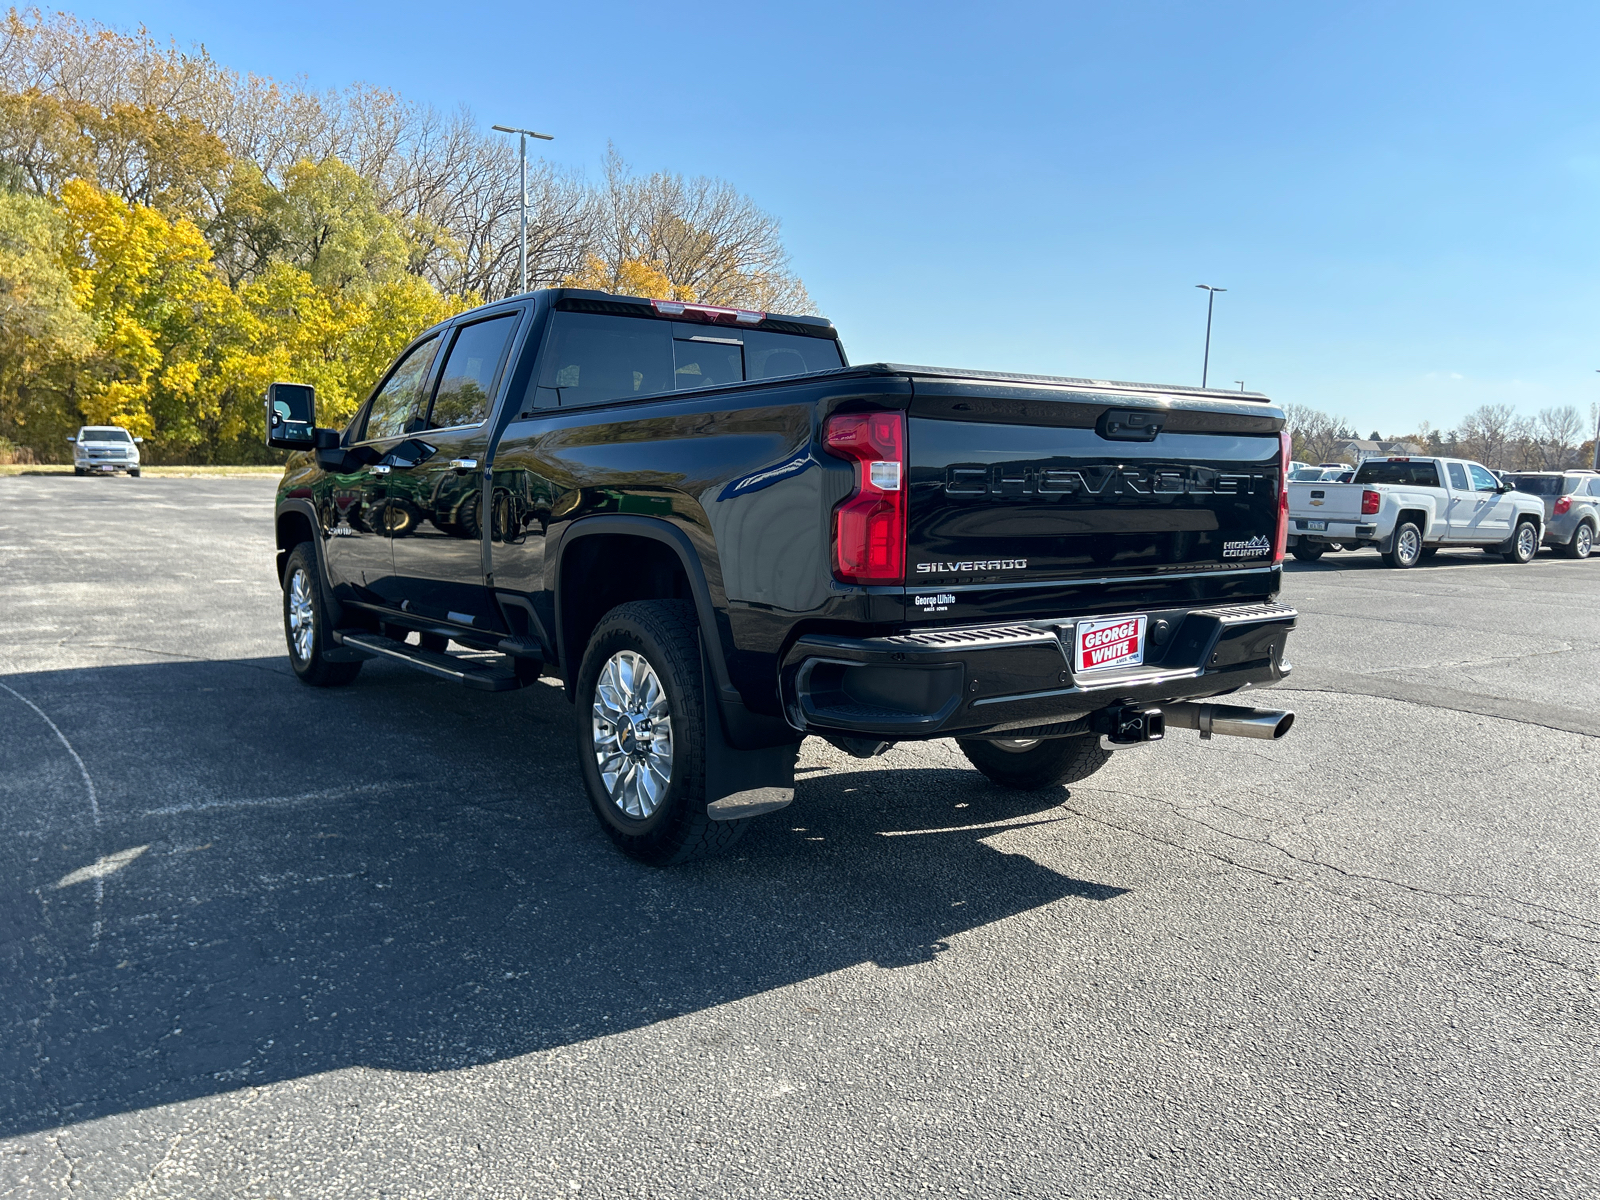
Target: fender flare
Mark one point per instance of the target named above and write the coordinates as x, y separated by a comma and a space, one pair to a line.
669, 535
306, 509
745, 729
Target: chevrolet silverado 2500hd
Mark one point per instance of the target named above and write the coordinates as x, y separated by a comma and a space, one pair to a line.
721, 536
1409, 508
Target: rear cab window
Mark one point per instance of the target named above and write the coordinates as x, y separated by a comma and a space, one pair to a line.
596, 358
1417, 474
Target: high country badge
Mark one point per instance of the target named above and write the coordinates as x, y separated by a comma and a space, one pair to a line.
1255, 547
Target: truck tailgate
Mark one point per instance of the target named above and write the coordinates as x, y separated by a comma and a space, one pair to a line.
1032, 490
1320, 501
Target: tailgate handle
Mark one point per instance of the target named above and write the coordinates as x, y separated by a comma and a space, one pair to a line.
1129, 425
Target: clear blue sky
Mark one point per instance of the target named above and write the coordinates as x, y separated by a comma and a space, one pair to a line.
1402, 199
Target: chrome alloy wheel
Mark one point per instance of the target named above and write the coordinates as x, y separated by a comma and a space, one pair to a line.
1409, 548
1583, 541
1527, 542
302, 633
632, 734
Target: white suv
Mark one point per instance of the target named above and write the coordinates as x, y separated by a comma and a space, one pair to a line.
104, 450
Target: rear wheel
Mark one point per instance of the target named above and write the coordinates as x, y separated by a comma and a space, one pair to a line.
1407, 551
641, 732
1524, 543
1032, 764
1308, 551
1582, 543
305, 623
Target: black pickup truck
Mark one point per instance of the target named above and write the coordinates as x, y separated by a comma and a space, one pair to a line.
722, 537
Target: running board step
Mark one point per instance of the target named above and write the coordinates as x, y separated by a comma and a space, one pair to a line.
468, 672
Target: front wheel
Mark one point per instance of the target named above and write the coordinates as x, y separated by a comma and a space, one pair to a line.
1582, 543
1524, 543
1031, 764
1407, 550
305, 623
134, 471
1308, 551
641, 732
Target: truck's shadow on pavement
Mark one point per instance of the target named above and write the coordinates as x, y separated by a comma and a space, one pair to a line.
404, 875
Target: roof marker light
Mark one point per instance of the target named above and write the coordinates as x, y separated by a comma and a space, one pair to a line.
710, 313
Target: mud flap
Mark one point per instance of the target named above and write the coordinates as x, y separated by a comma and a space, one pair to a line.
742, 783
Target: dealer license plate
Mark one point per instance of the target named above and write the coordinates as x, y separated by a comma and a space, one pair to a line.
106, 470
1109, 642
1318, 526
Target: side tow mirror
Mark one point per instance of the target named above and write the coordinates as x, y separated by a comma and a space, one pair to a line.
291, 416
138, 441
73, 440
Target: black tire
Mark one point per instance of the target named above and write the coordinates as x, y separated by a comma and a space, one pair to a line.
1524, 543
303, 598
1581, 544
1047, 762
134, 471
1407, 544
666, 634
1308, 551
79, 471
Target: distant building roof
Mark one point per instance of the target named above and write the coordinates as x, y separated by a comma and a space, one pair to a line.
1367, 448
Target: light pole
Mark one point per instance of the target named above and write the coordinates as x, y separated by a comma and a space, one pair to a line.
1240, 382
522, 195
1596, 463
1211, 299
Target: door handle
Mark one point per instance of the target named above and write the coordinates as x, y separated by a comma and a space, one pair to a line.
463, 464
380, 469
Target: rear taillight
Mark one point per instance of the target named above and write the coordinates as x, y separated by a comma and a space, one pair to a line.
1280, 539
1562, 505
869, 527
1369, 503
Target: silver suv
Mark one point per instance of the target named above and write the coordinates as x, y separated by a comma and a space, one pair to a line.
1571, 507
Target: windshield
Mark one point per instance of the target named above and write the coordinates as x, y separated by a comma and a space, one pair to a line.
1537, 485
103, 435
1418, 474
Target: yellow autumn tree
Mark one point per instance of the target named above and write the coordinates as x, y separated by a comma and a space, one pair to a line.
630, 277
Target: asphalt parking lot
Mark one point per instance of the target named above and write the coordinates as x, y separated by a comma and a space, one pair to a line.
264, 941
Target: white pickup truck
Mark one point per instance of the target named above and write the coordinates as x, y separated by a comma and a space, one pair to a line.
1411, 507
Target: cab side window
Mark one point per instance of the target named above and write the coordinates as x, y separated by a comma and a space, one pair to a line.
1458, 476
466, 383
398, 401
591, 358
1482, 481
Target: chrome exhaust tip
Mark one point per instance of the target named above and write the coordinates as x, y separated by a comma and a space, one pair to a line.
1229, 720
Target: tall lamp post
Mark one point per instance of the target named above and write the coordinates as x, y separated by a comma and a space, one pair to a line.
1596, 463
1211, 299
522, 194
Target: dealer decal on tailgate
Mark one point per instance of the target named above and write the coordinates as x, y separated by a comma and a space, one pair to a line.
1110, 642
